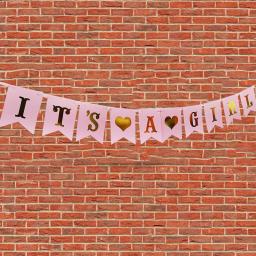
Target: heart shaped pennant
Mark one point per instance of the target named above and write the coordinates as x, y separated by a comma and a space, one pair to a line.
171, 121
123, 122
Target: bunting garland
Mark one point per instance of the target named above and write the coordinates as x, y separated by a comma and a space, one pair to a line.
91, 121
23, 105
122, 123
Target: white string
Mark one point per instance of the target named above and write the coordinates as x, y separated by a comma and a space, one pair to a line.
46, 96
41, 93
137, 110
6, 85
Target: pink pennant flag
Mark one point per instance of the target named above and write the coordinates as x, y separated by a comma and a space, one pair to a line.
193, 119
248, 100
122, 123
171, 122
21, 105
231, 108
213, 114
60, 116
91, 121
150, 124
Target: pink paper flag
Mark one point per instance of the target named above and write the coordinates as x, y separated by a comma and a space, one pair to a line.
122, 123
150, 124
21, 105
193, 119
231, 108
248, 100
91, 121
171, 122
60, 116
213, 114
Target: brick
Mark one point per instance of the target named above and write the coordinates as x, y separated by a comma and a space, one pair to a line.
189, 197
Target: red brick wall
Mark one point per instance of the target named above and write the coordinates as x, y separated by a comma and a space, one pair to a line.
190, 197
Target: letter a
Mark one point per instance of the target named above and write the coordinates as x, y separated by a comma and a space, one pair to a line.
150, 124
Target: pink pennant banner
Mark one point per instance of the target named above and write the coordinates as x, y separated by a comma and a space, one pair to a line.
171, 119
213, 114
193, 119
91, 121
22, 106
122, 123
231, 108
248, 100
60, 116
150, 124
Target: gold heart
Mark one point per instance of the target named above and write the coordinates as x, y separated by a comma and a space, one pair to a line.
171, 121
123, 122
